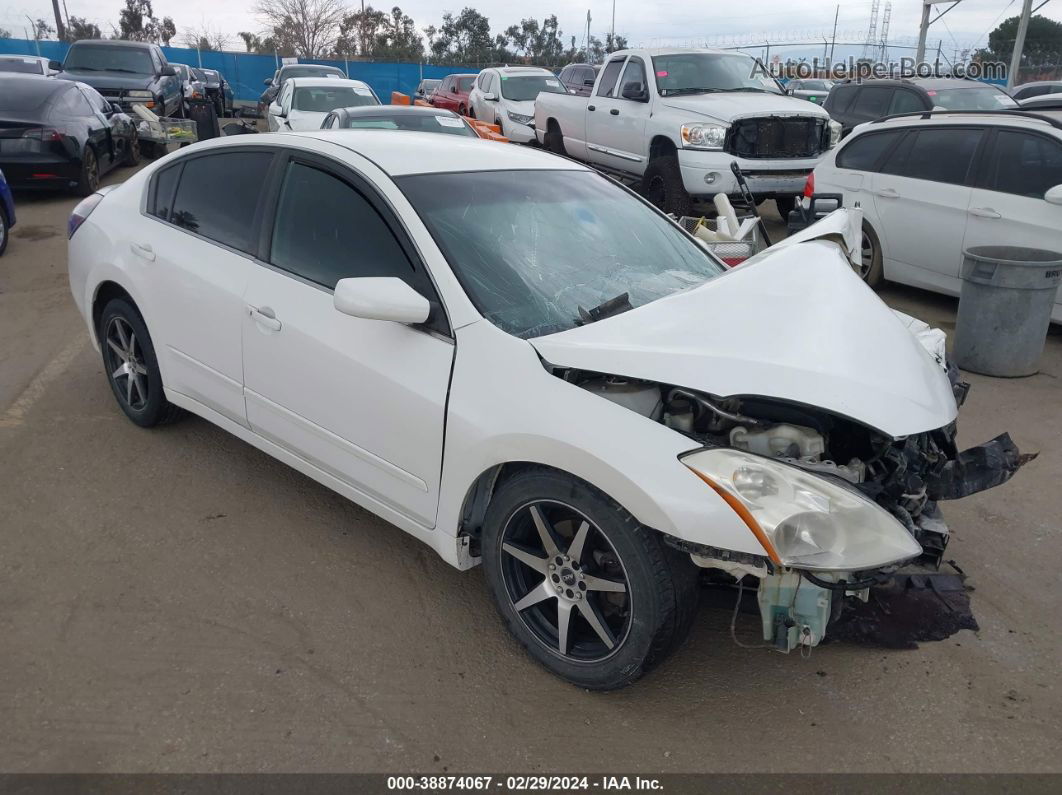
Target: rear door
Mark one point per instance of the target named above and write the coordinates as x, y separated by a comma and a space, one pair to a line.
921, 196
198, 241
361, 400
1007, 205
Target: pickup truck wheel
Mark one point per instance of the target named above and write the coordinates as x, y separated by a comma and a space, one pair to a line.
871, 269
89, 181
662, 186
555, 139
592, 595
784, 207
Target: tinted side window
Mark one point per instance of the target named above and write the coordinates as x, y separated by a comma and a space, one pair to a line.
587, 73
940, 155
218, 195
872, 102
73, 103
1024, 164
566, 75
634, 73
326, 231
840, 98
608, 78
864, 152
162, 200
904, 101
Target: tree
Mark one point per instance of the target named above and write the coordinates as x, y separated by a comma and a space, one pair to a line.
137, 22
309, 27
464, 39
620, 43
5, 33
167, 30
78, 28
204, 38
537, 43
1043, 42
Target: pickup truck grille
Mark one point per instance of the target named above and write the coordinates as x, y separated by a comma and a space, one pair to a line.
778, 137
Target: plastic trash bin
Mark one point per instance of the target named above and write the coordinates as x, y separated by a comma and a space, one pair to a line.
1008, 293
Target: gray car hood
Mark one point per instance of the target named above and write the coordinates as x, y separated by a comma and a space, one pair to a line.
797, 324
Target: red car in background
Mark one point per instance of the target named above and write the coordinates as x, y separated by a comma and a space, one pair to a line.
452, 93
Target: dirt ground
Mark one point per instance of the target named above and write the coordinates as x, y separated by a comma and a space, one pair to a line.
174, 600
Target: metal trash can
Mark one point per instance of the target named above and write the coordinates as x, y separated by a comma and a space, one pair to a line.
1008, 293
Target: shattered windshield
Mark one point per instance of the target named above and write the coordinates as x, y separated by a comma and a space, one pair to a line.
543, 251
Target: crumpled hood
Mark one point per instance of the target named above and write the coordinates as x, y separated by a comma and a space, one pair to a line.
798, 325
303, 120
523, 108
728, 107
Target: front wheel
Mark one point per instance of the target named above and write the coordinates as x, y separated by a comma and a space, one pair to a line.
132, 151
662, 186
591, 594
871, 268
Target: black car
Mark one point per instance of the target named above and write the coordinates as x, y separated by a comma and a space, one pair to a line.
218, 90
61, 134
415, 118
291, 70
578, 78
1037, 88
127, 73
854, 102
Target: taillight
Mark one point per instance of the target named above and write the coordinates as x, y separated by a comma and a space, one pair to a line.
42, 134
81, 212
809, 186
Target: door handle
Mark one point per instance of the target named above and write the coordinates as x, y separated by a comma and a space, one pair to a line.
143, 250
614, 112
984, 212
887, 193
590, 107
265, 317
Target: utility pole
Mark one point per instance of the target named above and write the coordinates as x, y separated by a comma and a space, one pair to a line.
833, 41
923, 32
612, 35
60, 29
1019, 43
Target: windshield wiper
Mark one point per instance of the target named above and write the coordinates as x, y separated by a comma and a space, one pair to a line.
674, 92
127, 71
613, 306
82, 68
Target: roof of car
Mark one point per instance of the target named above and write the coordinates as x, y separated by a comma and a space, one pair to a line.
412, 152
114, 42
1042, 101
325, 81
1040, 83
677, 51
1012, 118
522, 70
37, 83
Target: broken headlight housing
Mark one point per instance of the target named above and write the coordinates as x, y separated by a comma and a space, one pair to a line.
802, 520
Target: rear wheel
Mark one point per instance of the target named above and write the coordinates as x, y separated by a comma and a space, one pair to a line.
784, 207
662, 186
89, 181
591, 594
871, 268
131, 366
555, 139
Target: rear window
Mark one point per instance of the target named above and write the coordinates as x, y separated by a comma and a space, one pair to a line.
21, 65
987, 98
309, 71
26, 95
322, 99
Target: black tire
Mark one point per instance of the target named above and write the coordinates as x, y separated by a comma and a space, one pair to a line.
152, 150
4, 231
132, 152
645, 622
463, 111
662, 186
135, 380
219, 108
555, 139
871, 269
89, 181
785, 206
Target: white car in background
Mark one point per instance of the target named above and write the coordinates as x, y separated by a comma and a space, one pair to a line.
506, 96
521, 363
29, 65
934, 184
303, 102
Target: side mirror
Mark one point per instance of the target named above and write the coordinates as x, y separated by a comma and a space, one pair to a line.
490, 96
634, 91
168, 71
267, 82
116, 108
55, 66
381, 298
1054, 195
453, 89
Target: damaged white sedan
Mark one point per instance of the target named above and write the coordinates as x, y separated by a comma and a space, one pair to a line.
524, 364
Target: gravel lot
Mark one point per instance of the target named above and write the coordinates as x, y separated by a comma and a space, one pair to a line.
174, 600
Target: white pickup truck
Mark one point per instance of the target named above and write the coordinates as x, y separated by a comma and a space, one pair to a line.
677, 119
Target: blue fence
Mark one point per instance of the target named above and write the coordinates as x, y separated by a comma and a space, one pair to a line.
247, 71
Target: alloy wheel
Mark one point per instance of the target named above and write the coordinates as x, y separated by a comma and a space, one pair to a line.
126, 362
866, 256
565, 581
92, 170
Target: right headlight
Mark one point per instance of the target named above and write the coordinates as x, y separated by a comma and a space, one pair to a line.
697, 135
835, 133
804, 521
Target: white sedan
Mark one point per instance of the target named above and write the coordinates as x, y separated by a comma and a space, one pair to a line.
304, 102
523, 364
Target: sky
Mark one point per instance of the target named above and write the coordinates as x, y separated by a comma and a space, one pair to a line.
659, 23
